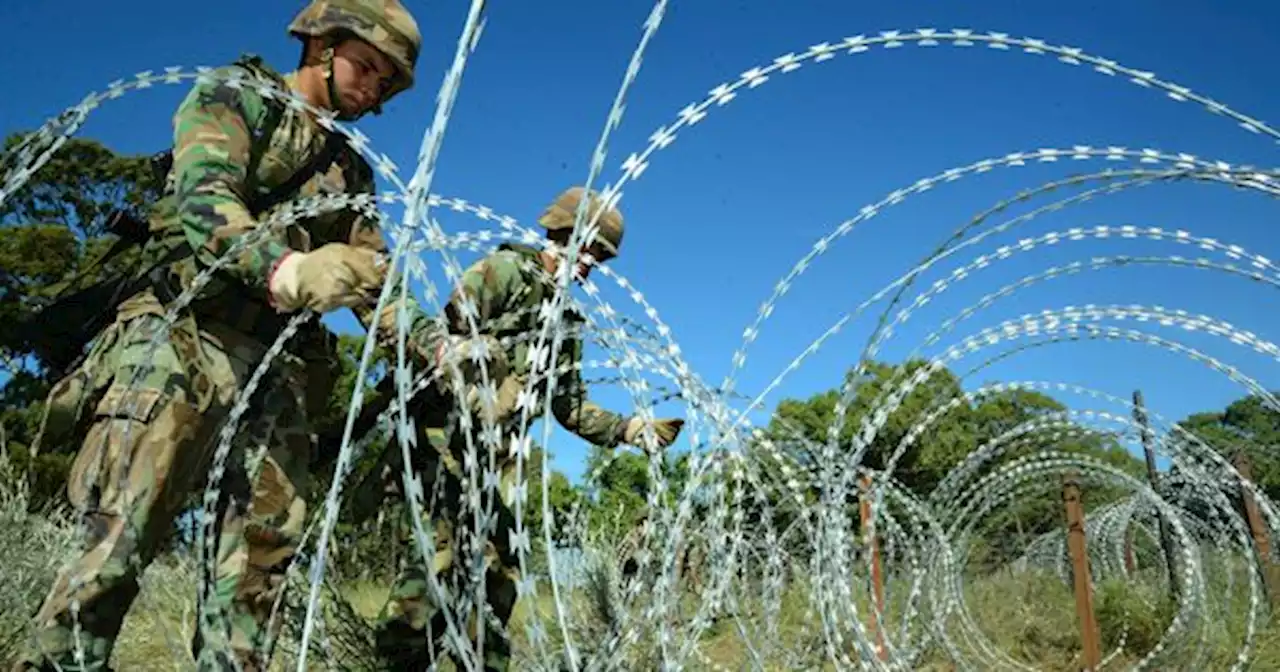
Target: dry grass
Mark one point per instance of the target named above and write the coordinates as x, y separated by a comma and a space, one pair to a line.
1030, 617
33, 547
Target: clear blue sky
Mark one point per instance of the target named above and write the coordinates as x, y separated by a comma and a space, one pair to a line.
725, 212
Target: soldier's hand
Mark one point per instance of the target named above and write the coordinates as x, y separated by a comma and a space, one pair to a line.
334, 276
464, 351
664, 429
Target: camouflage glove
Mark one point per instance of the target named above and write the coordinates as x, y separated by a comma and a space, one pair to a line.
331, 277
665, 429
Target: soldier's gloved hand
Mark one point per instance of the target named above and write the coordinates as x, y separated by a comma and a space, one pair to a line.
420, 337
462, 350
665, 429
331, 277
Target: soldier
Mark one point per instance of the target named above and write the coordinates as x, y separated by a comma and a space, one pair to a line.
235, 151
504, 291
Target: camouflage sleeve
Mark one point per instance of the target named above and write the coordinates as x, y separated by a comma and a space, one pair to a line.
490, 289
573, 410
485, 290
421, 327
213, 129
365, 232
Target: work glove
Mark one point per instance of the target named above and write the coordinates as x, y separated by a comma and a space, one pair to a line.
665, 429
419, 341
459, 349
463, 350
331, 277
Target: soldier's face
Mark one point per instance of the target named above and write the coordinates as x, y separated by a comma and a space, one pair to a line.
362, 75
598, 256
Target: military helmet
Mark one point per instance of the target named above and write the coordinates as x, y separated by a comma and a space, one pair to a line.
384, 24
560, 215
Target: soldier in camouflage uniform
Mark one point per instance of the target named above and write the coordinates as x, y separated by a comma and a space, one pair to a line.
504, 291
150, 443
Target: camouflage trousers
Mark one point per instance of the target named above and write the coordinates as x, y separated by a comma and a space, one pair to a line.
145, 453
413, 625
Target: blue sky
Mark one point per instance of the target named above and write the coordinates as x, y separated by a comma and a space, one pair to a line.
723, 213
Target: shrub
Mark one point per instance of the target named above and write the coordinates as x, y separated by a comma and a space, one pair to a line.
34, 542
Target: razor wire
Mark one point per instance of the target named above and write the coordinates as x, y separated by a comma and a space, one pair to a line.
742, 478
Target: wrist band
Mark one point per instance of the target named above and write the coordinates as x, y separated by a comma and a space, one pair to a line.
271, 276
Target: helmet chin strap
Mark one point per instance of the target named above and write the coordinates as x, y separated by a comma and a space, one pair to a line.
335, 100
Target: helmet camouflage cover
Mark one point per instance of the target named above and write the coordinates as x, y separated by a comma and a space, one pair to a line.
384, 24
560, 214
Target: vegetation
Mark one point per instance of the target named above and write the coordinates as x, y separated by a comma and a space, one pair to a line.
53, 230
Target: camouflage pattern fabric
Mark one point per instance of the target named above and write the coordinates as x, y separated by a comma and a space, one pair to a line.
507, 290
690, 556
215, 134
222, 152
411, 626
134, 470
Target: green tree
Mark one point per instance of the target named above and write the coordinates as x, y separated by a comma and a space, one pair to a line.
81, 184
51, 231
1248, 427
562, 497
799, 429
620, 498
803, 425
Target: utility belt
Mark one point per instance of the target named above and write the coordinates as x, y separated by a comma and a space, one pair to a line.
313, 344
244, 313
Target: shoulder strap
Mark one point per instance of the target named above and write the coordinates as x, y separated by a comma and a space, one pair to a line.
256, 205
332, 145
162, 163
278, 195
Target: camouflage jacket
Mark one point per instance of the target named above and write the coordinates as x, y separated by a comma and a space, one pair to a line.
220, 157
506, 290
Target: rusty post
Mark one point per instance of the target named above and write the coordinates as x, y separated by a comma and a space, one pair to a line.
1128, 551
1078, 548
1261, 537
1166, 537
877, 579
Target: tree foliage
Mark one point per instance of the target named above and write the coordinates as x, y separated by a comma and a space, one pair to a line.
799, 429
55, 226
51, 231
1245, 427
54, 229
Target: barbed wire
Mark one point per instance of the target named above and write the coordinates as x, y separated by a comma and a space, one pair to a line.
768, 510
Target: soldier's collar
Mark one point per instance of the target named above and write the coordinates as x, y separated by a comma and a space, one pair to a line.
520, 247
256, 63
